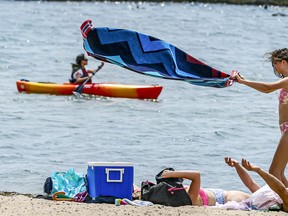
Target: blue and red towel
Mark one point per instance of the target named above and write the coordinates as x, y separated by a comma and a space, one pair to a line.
148, 55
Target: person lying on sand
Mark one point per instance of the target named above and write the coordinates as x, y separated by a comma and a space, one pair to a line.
208, 196
261, 197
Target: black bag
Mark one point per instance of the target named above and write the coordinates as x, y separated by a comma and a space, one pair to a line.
176, 182
48, 186
167, 191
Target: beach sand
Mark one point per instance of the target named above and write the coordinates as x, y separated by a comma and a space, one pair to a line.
17, 204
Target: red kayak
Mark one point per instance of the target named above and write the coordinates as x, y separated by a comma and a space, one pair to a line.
99, 89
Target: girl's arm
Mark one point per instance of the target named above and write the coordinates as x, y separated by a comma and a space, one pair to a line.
90, 71
261, 86
243, 174
80, 79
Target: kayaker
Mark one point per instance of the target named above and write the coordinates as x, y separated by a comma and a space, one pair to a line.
79, 72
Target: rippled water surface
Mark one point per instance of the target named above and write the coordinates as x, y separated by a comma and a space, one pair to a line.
189, 127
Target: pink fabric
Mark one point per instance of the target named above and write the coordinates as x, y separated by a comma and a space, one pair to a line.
283, 96
171, 190
284, 127
204, 197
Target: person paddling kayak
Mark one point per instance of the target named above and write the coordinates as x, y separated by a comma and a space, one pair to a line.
79, 73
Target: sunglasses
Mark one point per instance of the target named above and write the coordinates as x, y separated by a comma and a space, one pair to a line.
85, 60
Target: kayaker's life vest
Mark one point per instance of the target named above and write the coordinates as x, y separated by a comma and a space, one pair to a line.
75, 68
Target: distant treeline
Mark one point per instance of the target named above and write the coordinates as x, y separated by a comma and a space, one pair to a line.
247, 2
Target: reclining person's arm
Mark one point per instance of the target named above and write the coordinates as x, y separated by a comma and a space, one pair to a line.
275, 184
243, 174
193, 176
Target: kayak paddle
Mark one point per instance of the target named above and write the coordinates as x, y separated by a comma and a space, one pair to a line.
79, 89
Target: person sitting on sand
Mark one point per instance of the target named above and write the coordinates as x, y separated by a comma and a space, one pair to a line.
208, 196
275, 184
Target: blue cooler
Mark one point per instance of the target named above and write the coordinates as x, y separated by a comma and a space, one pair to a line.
110, 179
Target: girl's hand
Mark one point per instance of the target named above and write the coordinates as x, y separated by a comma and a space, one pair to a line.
235, 75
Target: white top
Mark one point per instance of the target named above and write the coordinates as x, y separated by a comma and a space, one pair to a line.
110, 164
79, 71
264, 197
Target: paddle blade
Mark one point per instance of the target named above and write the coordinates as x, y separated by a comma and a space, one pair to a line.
77, 94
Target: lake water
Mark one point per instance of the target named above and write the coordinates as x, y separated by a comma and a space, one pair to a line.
189, 127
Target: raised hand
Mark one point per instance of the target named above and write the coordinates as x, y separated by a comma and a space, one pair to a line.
247, 165
230, 161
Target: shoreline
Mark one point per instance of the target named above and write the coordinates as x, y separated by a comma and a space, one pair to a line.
12, 203
236, 2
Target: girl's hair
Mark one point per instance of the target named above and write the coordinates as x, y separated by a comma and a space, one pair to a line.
279, 54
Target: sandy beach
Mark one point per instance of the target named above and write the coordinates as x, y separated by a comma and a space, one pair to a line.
24, 205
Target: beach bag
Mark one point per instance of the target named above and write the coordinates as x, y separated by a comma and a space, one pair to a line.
168, 192
69, 185
176, 182
48, 186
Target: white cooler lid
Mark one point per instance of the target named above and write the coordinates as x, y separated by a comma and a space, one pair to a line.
109, 164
